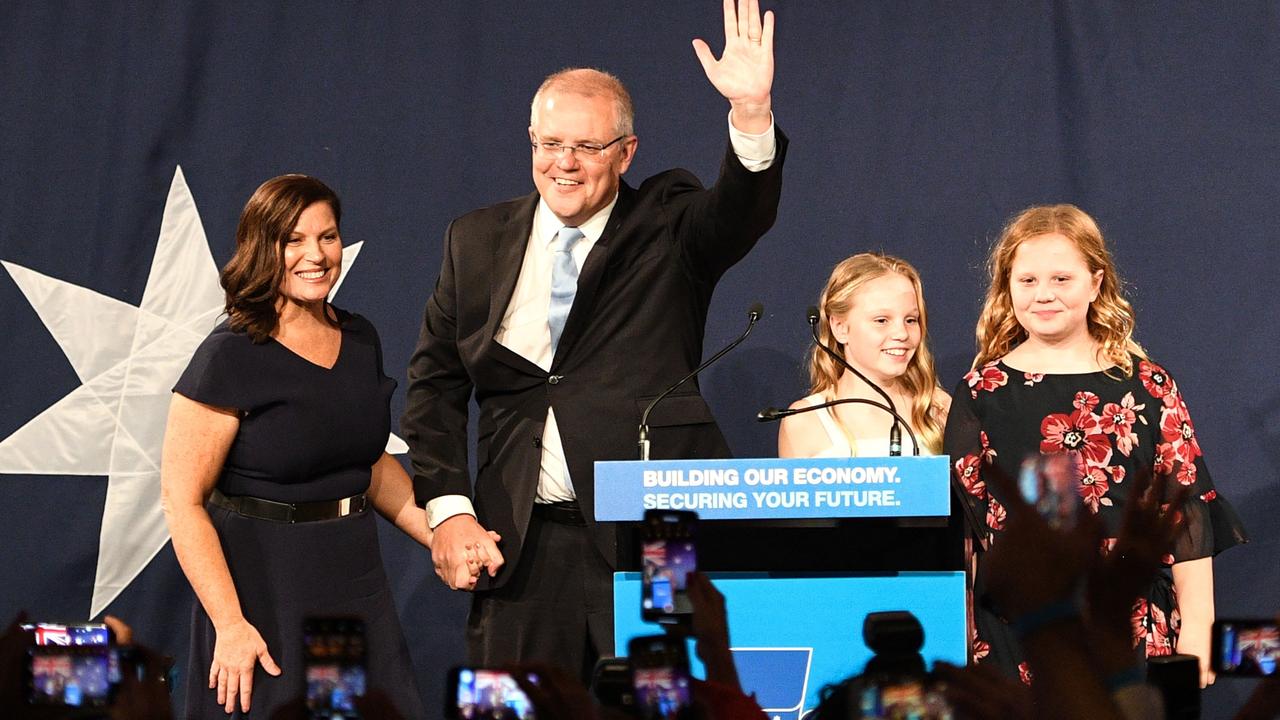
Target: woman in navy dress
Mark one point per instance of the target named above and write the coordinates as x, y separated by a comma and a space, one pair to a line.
273, 461
1058, 371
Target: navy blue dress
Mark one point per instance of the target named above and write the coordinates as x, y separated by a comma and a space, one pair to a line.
306, 434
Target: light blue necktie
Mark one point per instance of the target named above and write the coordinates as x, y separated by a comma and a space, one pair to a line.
564, 281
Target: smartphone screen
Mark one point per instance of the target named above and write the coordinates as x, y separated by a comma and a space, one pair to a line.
335, 666
668, 554
482, 693
71, 676
914, 698
69, 634
1051, 483
1247, 648
660, 677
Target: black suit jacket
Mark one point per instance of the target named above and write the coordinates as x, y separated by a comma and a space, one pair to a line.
636, 326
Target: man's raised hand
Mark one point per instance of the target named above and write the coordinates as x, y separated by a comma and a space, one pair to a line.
744, 72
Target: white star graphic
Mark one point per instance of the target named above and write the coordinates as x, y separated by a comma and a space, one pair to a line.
128, 359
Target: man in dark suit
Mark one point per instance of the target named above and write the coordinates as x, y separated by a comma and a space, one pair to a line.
565, 312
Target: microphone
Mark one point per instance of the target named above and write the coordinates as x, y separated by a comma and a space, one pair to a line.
771, 414
974, 527
895, 432
753, 315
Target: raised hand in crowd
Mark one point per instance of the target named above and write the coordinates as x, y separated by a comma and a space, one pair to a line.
1116, 580
13, 658
721, 696
143, 692
555, 694
710, 630
979, 692
1038, 596
1032, 574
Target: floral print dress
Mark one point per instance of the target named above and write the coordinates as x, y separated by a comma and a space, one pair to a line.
1118, 426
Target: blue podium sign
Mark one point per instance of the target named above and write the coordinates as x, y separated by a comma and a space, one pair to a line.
793, 634
774, 488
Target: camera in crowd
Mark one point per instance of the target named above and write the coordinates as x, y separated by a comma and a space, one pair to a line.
894, 683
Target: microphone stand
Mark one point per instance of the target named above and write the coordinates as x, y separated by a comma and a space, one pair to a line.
753, 315
771, 414
977, 530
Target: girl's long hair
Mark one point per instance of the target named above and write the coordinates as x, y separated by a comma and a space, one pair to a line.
1110, 317
920, 379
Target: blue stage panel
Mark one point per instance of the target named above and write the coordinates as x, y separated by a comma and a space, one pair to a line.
794, 634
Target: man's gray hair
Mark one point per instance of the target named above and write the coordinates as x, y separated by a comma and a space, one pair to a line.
589, 82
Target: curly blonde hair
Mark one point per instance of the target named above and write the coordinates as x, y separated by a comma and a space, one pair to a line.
1110, 317
920, 378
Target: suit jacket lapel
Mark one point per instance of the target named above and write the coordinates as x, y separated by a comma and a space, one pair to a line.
593, 271
508, 256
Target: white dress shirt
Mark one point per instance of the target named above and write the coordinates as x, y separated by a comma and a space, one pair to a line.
524, 327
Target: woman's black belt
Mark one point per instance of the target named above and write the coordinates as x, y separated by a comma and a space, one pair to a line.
282, 512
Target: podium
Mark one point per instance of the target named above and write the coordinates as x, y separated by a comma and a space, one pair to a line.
802, 550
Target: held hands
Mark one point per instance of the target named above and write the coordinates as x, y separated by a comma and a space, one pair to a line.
461, 548
236, 651
744, 72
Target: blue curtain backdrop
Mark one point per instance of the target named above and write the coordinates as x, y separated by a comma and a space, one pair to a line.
917, 128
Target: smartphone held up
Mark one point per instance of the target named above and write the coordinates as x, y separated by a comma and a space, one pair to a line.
1051, 484
73, 676
668, 555
1245, 648
334, 667
486, 693
660, 677
79, 667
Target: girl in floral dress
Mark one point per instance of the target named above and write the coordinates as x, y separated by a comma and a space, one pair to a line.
1058, 371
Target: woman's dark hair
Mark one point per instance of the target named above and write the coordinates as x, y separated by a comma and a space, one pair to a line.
252, 278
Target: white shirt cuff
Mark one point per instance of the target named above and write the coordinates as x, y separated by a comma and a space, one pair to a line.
755, 152
446, 506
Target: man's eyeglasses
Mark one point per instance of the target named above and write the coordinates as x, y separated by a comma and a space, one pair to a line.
588, 151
